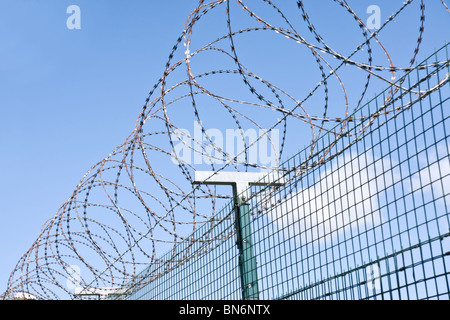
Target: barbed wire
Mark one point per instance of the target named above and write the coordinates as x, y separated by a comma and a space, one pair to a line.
140, 202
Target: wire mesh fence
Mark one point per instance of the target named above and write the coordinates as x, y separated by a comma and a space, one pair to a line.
369, 222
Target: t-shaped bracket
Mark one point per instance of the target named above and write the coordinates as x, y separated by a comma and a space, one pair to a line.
241, 181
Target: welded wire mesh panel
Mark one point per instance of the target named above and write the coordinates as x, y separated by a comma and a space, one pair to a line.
364, 217
371, 222
198, 270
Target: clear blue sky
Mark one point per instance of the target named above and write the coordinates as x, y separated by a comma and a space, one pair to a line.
69, 97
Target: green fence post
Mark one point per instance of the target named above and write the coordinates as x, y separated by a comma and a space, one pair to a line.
247, 259
241, 181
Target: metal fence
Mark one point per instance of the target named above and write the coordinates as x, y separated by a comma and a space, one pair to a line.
370, 222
